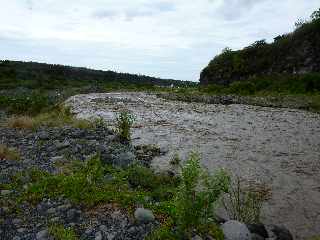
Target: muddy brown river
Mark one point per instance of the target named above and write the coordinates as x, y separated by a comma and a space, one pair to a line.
279, 148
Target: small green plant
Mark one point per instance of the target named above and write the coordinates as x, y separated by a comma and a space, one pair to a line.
197, 195
7, 153
163, 233
59, 232
244, 203
124, 122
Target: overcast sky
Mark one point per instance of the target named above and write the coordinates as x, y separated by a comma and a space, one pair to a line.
163, 38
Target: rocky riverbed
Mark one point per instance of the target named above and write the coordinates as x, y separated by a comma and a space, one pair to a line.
51, 150
278, 149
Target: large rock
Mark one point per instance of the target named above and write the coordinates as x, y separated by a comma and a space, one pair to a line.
144, 215
125, 159
258, 229
42, 235
234, 230
278, 232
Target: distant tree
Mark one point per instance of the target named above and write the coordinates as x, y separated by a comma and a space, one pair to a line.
300, 22
315, 15
259, 43
226, 50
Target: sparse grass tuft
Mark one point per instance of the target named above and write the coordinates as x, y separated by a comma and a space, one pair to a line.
244, 203
59, 232
21, 122
8, 153
56, 118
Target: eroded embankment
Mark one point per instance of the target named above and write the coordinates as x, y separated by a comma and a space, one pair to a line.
277, 147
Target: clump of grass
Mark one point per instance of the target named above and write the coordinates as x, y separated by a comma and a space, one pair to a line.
9, 153
21, 122
244, 203
55, 118
59, 232
60, 116
124, 122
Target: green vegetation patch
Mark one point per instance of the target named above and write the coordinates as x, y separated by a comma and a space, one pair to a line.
91, 183
30, 104
182, 204
59, 232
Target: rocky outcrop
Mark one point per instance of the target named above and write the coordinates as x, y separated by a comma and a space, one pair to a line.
294, 53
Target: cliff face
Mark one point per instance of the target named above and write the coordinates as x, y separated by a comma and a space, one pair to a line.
294, 53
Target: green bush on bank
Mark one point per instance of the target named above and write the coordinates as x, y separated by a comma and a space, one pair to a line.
30, 104
269, 85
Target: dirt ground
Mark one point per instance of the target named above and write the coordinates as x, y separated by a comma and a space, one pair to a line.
278, 148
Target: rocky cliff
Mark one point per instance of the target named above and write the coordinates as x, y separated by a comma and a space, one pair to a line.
294, 53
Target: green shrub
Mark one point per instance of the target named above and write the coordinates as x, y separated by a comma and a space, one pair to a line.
124, 123
139, 176
25, 104
161, 187
197, 195
242, 88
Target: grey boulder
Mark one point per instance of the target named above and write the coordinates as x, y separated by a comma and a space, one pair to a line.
144, 215
234, 230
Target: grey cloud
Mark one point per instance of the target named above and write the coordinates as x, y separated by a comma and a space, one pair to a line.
29, 4
104, 13
150, 9
234, 9
131, 14
162, 6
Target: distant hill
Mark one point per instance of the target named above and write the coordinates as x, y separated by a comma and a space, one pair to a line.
50, 76
296, 53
